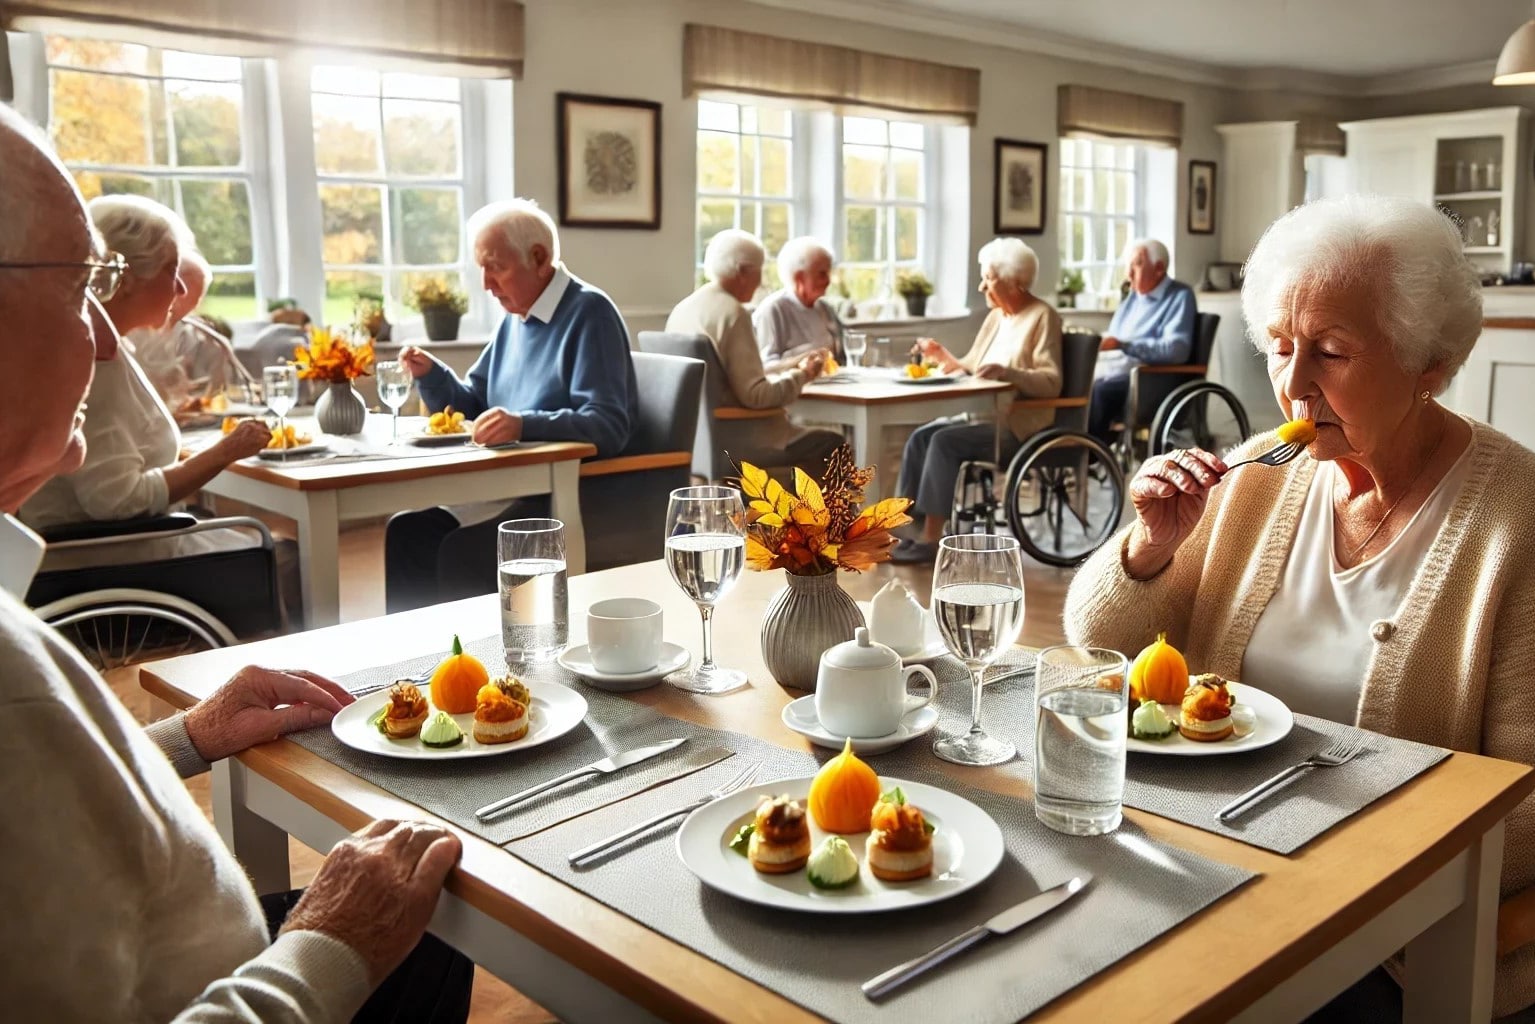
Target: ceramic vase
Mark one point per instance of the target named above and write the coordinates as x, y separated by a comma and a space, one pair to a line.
340, 409
810, 615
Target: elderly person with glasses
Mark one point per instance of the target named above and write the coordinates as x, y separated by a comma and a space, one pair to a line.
733, 261
133, 466
796, 320
1019, 342
1386, 577
123, 903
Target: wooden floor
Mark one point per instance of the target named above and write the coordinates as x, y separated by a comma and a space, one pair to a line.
362, 596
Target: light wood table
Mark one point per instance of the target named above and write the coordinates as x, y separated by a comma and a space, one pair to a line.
877, 400
1418, 869
321, 495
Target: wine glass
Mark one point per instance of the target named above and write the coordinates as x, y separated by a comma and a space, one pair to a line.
393, 390
854, 343
279, 387
978, 601
705, 551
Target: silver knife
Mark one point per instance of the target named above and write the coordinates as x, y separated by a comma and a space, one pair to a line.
602, 767
1007, 921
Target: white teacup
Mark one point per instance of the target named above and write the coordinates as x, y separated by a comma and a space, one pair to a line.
860, 690
623, 635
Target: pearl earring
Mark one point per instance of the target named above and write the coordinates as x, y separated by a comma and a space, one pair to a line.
1426, 396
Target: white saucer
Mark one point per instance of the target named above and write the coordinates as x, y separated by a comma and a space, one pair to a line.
800, 716
579, 660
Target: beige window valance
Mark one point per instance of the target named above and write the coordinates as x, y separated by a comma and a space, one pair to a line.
1084, 111
474, 37
722, 60
1317, 134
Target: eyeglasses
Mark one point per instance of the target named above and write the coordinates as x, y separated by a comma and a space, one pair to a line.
106, 274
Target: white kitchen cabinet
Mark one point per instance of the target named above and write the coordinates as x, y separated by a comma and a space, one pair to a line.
1497, 381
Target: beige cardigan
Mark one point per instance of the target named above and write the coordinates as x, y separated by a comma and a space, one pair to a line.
1455, 668
1028, 347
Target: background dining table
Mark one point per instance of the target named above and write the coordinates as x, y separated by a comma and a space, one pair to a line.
1418, 869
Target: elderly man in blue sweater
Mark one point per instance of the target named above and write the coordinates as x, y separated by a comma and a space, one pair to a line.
1155, 324
557, 370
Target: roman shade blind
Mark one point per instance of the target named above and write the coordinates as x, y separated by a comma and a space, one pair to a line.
1087, 112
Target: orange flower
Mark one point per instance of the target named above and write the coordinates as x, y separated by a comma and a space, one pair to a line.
818, 528
330, 357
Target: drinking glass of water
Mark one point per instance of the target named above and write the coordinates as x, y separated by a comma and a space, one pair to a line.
535, 609
854, 343
1079, 738
978, 602
279, 388
393, 390
705, 551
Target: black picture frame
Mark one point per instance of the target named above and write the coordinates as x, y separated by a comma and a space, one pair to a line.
620, 183
1202, 197
1020, 187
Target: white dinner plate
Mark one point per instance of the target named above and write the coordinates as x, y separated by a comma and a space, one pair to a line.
556, 710
967, 848
840, 377
578, 659
437, 440
1274, 722
929, 380
800, 716
296, 452
932, 641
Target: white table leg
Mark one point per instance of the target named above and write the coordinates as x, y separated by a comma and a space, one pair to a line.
1450, 966
319, 559
565, 505
259, 846
868, 442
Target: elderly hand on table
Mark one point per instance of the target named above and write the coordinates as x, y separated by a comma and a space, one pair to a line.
497, 426
261, 704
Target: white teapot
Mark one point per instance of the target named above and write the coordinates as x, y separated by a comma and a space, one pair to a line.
897, 619
860, 690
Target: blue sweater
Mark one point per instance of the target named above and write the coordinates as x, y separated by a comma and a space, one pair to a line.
570, 379
1157, 327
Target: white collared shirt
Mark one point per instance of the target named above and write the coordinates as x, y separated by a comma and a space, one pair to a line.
21, 552
549, 299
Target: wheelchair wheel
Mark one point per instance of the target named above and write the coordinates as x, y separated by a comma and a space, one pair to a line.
116, 628
1065, 495
1199, 414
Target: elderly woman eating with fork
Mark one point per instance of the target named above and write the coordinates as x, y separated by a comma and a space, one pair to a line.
1385, 577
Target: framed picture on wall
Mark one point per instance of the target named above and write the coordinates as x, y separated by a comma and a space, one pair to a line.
1018, 203
1201, 197
609, 162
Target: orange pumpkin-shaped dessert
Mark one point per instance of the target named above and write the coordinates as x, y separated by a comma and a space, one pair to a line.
1159, 673
843, 793
457, 681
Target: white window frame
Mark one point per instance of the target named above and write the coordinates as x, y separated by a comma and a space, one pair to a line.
1138, 220
927, 235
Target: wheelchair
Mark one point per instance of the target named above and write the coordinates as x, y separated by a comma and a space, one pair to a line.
1200, 414
122, 613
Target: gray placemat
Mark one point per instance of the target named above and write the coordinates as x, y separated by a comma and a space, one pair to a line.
1141, 888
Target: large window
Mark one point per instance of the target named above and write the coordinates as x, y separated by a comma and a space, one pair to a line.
745, 176
884, 189
1102, 209
387, 153
168, 125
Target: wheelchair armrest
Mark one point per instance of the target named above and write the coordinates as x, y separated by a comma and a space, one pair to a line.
1186, 369
733, 412
118, 527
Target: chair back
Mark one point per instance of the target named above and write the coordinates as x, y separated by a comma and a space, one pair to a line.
669, 389
705, 445
1079, 358
1205, 325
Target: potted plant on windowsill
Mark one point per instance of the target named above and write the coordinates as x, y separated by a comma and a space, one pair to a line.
1072, 285
441, 306
914, 287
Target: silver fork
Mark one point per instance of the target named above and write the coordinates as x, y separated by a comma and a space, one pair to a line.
741, 778
418, 680
1273, 457
1342, 751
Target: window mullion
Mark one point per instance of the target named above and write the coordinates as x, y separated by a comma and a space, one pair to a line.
300, 231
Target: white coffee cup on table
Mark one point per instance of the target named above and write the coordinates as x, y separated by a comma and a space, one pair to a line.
623, 635
860, 690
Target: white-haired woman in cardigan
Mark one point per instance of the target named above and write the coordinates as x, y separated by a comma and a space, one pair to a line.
1387, 576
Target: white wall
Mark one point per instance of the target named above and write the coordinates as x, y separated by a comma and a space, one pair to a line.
633, 49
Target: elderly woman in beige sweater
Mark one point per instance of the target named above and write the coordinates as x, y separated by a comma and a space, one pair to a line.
1387, 576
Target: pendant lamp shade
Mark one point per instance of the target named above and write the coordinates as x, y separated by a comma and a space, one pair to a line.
1516, 64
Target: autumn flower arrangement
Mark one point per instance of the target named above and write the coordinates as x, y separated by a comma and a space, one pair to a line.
329, 356
819, 527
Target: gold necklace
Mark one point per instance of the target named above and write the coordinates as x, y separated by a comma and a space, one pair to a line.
1444, 432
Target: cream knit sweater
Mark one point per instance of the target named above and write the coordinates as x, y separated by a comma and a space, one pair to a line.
1455, 668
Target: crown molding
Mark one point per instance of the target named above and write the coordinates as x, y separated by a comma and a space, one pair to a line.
1477, 72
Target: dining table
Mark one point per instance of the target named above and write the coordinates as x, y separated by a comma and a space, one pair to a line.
369, 476
867, 400
1416, 870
